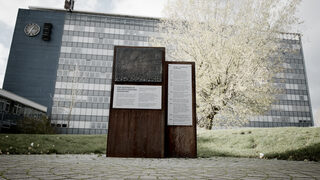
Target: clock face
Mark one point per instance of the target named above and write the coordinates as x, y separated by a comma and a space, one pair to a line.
32, 29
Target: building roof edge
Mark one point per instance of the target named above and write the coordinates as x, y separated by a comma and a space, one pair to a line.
93, 13
22, 100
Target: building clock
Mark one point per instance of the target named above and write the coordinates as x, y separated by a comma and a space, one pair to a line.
32, 29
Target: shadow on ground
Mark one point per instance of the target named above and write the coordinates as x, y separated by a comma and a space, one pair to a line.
311, 153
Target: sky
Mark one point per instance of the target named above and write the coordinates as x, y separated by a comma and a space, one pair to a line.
308, 12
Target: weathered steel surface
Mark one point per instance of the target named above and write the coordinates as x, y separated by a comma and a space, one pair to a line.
137, 132
181, 141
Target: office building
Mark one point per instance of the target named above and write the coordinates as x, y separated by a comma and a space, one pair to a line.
63, 60
293, 106
14, 108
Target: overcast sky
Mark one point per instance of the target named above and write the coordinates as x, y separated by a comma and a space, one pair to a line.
308, 12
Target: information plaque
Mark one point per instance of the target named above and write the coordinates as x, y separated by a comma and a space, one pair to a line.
137, 97
180, 94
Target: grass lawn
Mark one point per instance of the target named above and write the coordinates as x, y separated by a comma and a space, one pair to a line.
280, 143
48, 144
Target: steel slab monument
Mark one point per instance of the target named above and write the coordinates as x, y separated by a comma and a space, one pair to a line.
137, 109
152, 109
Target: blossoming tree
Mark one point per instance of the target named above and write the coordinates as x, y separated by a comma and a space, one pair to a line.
234, 45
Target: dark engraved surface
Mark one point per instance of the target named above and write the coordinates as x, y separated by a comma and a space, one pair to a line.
133, 64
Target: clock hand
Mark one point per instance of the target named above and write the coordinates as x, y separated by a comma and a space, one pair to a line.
31, 29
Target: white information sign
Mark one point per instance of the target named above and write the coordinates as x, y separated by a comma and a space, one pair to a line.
180, 94
137, 97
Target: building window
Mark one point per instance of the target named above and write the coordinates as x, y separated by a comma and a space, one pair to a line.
2, 105
17, 109
6, 106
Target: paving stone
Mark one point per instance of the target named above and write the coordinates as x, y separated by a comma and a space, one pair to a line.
148, 177
165, 177
307, 178
15, 176
94, 167
299, 175
131, 177
81, 177
50, 177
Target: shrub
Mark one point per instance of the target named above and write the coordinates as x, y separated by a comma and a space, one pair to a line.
29, 125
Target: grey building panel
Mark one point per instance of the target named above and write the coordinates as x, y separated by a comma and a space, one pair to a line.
32, 65
293, 106
306, 78
77, 64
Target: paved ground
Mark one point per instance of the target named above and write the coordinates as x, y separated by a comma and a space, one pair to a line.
93, 167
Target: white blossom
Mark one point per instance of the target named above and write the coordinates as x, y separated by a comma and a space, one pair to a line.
232, 42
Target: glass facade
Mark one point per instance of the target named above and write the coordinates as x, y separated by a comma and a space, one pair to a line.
83, 70
292, 107
82, 91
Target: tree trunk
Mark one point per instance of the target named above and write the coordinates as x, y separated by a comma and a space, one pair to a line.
209, 123
210, 117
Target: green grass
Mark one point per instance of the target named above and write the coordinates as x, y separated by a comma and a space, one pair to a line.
280, 143
48, 144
